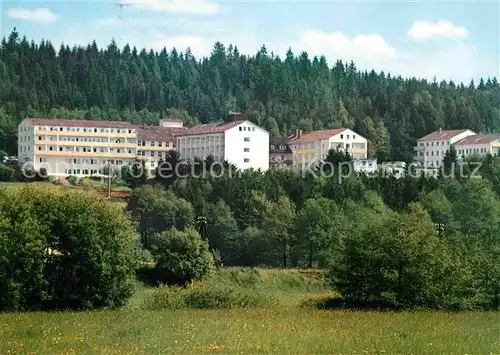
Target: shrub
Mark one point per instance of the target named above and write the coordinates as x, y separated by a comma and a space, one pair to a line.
85, 183
63, 250
207, 296
6, 173
73, 180
182, 256
210, 298
42, 175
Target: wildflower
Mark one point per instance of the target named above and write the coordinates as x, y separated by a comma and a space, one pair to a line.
215, 347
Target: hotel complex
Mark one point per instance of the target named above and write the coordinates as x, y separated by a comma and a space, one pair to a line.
431, 149
83, 148
75, 147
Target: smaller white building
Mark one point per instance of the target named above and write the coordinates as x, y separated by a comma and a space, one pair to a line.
393, 168
365, 165
432, 148
240, 142
313, 147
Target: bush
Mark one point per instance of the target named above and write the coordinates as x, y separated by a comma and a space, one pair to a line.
208, 296
182, 256
42, 175
63, 250
6, 173
73, 180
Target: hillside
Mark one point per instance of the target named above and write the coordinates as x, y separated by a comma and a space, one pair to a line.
280, 94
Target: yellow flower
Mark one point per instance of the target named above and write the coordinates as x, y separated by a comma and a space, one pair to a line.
215, 347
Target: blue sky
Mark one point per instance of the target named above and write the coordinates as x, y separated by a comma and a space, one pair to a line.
450, 40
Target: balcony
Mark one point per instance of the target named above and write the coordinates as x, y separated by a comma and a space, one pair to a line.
419, 148
305, 151
85, 154
155, 149
84, 144
86, 134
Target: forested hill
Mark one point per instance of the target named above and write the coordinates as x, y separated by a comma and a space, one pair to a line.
280, 94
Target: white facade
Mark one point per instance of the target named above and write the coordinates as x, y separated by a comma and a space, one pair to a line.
242, 143
432, 148
365, 165
25, 142
314, 146
80, 148
394, 168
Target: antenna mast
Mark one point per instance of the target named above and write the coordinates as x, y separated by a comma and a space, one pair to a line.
202, 229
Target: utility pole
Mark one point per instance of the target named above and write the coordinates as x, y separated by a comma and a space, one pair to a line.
109, 180
440, 228
202, 229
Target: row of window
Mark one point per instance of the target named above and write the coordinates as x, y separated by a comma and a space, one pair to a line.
87, 139
246, 128
78, 161
348, 135
427, 144
459, 151
86, 149
472, 150
156, 144
84, 129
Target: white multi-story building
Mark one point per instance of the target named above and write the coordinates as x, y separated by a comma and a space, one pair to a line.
240, 142
313, 147
480, 144
75, 147
432, 148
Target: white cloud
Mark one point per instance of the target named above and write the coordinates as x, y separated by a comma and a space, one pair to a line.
108, 22
445, 61
41, 14
201, 7
368, 50
424, 30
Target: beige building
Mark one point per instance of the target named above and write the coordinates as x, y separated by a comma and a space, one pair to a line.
480, 144
75, 147
313, 147
154, 142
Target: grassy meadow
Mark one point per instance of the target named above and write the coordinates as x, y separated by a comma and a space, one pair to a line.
284, 323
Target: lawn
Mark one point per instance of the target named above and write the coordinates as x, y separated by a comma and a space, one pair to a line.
288, 328
93, 187
249, 331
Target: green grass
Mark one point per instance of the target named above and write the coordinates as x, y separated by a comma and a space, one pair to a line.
282, 328
19, 185
93, 187
249, 331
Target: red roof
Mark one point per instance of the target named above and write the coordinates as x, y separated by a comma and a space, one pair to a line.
156, 133
317, 135
478, 139
79, 123
442, 135
210, 128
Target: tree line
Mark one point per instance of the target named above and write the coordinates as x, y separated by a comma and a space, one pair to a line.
277, 93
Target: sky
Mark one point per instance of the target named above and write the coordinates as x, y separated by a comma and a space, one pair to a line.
448, 40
